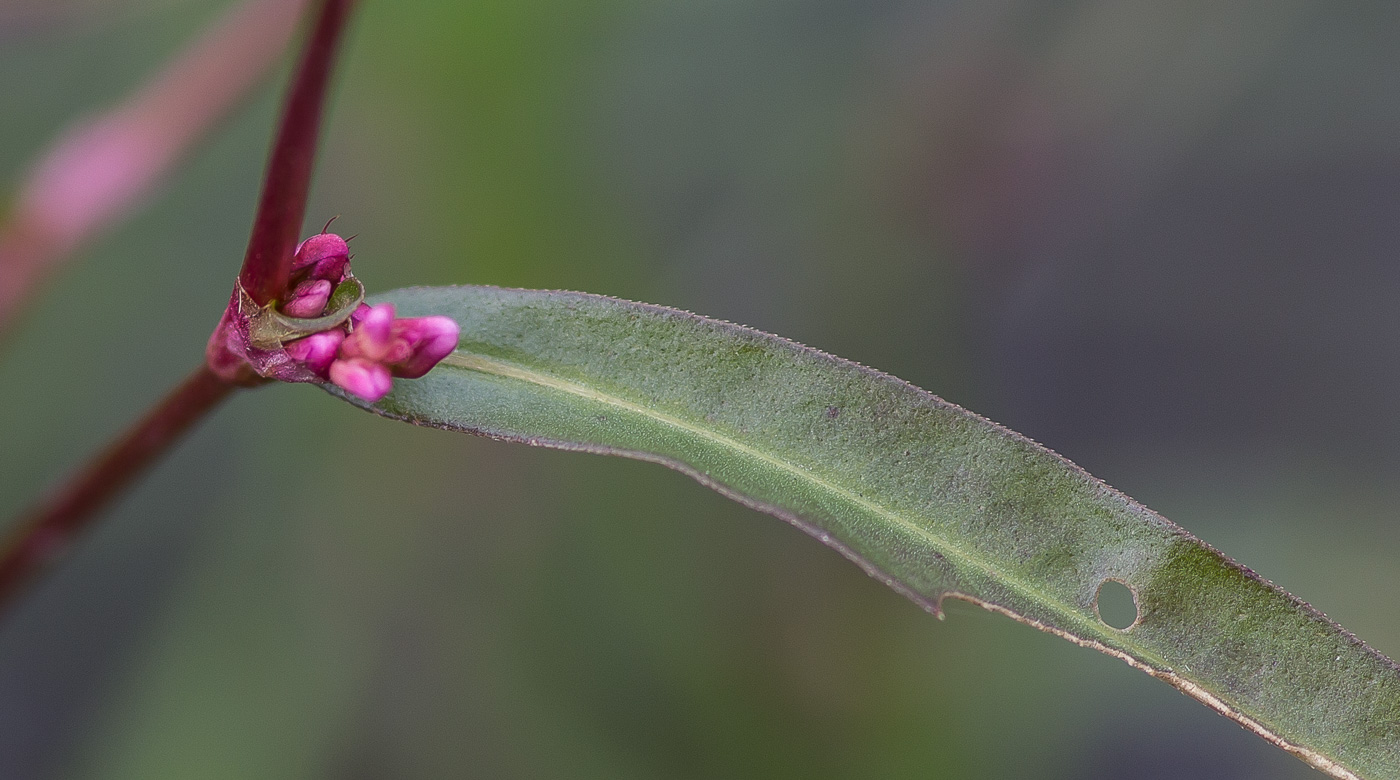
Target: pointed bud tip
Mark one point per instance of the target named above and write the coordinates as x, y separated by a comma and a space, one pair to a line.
318, 248
429, 340
379, 316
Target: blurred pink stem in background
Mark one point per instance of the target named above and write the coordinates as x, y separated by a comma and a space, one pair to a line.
48, 530
104, 164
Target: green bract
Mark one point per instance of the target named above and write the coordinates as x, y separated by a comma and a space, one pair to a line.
269, 329
924, 495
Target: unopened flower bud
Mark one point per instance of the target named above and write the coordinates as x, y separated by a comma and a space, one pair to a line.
317, 351
317, 248
322, 256
425, 342
373, 333
364, 378
361, 354
308, 299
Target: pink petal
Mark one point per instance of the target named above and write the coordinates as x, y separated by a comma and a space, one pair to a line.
373, 335
367, 380
308, 299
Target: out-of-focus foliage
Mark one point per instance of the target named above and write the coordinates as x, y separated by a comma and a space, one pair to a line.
1118, 228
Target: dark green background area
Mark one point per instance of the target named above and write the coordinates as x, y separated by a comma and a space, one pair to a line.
1159, 239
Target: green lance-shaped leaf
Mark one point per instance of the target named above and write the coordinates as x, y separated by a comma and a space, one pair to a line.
932, 499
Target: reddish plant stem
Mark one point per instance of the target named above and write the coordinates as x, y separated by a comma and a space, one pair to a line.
282, 205
48, 530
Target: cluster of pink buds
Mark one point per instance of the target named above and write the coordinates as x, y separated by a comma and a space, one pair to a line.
379, 346
359, 354
320, 263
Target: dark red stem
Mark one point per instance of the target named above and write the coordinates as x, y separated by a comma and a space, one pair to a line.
287, 182
48, 529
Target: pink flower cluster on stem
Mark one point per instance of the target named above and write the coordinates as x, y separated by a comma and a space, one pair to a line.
379, 347
49, 528
360, 356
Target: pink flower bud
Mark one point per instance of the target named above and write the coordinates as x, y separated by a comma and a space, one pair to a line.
322, 256
308, 299
373, 335
317, 248
333, 269
361, 356
424, 342
363, 378
316, 351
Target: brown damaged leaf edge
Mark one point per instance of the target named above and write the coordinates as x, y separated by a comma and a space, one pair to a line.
927, 497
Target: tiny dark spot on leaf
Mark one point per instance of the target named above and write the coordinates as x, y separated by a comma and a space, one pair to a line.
832, 412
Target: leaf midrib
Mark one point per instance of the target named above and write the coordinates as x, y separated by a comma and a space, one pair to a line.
498, 367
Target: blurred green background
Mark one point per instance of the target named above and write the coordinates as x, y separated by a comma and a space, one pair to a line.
1159, 238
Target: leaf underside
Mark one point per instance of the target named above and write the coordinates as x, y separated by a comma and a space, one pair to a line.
931, 499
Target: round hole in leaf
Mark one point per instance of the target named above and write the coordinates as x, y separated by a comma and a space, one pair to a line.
1116, 604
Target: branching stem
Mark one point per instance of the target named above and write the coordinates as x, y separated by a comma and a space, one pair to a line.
47, 530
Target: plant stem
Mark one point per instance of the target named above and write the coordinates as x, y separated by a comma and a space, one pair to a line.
49, 529
287, 182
